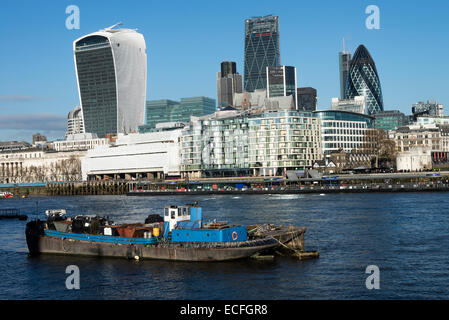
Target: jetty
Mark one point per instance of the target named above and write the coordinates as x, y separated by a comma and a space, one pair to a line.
12, 213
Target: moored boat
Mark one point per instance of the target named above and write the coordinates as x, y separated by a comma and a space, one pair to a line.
181, 234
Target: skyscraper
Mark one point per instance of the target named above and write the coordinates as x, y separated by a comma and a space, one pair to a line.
111, 70
307, 99
261, 50
281, 82
345, 60
363, 80
228, 83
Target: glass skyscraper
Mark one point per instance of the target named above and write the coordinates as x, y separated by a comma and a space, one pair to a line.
281, 82
363, 80
111, 72
261, 50
159, 111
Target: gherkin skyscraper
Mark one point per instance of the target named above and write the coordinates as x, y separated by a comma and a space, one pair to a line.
363, 80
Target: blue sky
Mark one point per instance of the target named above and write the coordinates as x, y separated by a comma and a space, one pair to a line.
187, 40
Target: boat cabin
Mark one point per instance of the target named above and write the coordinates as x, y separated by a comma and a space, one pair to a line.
184, 224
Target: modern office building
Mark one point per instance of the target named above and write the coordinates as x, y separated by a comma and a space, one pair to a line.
152, 155
389, 120
429, 108
281, 82
111, 70
363, 80
425, 120
75, 122
238, 143
343, 130
229, 82
344, 59
261, 50
306, 99
357, 104
79, 141
160, 111
258, 101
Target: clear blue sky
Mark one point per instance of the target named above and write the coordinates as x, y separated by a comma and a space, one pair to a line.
187, 40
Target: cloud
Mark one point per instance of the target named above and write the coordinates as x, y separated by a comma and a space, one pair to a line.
14, 98
44, 122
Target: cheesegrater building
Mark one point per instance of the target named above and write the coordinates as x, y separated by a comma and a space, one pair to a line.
261, 50
111, 71
363, 80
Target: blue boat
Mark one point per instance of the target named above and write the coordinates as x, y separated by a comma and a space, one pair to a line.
181, 234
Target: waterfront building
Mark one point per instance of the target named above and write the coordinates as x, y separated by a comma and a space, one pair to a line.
306, 99
343, 130
153, 155
281, 82
229, 82
262, 50
231, 142
389, 120
430, 108
79, 141
356, 104
363, 80
412, 136
111, 70
6, 146
416, 159
161, 111
75, 122
37, 165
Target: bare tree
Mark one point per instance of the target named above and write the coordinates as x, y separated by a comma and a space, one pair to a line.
379, 146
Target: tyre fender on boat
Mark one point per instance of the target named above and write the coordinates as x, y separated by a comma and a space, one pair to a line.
234, 235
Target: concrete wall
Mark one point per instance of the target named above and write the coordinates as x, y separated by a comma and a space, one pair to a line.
414, 160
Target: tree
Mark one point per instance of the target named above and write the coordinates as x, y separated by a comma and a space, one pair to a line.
377, 144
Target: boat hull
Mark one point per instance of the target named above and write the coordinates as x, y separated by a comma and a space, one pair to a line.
39, 243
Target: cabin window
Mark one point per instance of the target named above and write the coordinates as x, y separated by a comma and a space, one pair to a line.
173, 215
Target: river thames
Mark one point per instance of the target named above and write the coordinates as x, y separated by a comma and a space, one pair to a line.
405, 234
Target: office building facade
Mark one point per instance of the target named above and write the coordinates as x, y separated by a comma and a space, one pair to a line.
75, 122
389, 120
429, 108
344, 59
229, 82
261, 50
281, 82
160, 111
363, 80
111, 69
357, 104
343, 130
306, 99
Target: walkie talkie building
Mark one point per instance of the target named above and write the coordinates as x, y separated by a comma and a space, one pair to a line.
363, 80
261, 50
111, 70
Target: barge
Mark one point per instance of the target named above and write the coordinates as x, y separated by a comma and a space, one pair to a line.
181, 234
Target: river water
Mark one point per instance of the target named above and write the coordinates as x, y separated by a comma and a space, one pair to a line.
405, 234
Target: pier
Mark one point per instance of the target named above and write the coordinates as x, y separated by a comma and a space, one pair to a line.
347, 183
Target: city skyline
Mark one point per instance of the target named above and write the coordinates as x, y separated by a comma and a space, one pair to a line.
37, 91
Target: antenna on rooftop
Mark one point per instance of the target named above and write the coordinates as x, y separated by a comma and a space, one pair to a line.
114, 25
